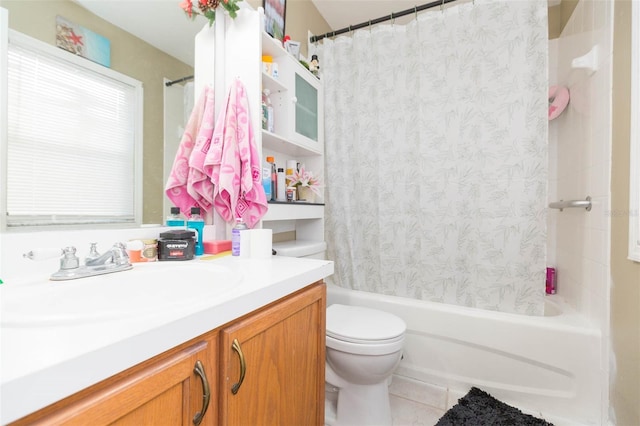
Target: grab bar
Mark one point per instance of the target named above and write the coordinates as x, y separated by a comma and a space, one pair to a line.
586, 204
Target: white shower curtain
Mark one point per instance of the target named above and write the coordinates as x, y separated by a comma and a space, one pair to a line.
436, 151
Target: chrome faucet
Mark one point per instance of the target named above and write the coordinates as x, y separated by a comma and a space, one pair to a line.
116, 255
113, 260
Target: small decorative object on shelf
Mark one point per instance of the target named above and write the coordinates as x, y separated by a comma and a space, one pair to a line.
314, 65
293, 47
207, 8
307, 185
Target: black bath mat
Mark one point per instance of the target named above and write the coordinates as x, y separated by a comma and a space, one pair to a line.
478, 408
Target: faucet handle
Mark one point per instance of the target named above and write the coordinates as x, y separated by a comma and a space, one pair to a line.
69, 259
42, 253
120, 256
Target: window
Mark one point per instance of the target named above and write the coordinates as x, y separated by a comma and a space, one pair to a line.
74, 139
634, 174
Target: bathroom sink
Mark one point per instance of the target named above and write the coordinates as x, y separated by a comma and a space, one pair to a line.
146, 290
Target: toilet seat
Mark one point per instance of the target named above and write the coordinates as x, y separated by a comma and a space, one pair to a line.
362, 330
383, 348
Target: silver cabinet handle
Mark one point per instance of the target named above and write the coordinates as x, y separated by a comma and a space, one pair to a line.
206, 392
243, 366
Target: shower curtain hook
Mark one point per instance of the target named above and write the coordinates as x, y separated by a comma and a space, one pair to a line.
369, 25
393, 21
415, 10
442, 7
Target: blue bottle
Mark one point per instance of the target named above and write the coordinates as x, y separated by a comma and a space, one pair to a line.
174, 219
196, 222
266, 179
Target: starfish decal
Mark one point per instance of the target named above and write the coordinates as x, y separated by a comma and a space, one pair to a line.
76, 39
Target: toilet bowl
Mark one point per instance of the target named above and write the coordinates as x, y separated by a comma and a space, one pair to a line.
363, 347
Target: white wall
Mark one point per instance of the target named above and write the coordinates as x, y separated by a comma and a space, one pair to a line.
580, 165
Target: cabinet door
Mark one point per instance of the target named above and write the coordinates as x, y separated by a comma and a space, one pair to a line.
274, 362
170, 391
307, 110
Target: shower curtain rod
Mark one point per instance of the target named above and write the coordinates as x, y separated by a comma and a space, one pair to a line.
393, 15
180, 80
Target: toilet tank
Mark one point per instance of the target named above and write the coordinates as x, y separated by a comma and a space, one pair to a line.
301, 248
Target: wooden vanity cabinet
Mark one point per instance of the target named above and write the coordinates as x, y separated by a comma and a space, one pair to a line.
283, 353
165, 390
273, 364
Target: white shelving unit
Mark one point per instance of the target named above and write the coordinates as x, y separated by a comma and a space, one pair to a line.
237, 46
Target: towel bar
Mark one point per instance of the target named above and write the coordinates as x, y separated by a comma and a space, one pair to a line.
586, 204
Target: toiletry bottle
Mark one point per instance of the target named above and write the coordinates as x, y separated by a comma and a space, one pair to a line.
551, 283
274, 176
174, 219
292, 166
265, 112
270, 118
196, 222
235, 236
266, 179
281, 190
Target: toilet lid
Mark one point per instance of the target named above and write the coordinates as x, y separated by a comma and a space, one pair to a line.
361, 325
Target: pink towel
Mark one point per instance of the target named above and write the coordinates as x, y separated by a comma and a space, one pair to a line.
199, 185
233, 162
177, 187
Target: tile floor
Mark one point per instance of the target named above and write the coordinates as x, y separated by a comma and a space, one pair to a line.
416, 403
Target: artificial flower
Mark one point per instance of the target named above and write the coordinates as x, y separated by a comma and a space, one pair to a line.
207, 8
304, 178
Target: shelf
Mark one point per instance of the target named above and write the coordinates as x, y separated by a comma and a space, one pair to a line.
277, 143
293, 211
271, 46
272, 84
295, 203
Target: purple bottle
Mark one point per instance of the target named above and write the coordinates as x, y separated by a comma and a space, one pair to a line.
551, 281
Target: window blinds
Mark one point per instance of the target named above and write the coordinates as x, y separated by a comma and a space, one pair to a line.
71, 141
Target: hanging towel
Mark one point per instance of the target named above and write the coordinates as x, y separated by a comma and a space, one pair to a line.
177, 185
199, 185
233, 162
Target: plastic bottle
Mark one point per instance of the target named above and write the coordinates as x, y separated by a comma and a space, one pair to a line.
235, 236
266, 179
196, 222
265, 111
274, 176
281, 189
174, 219
269, 109
292, 166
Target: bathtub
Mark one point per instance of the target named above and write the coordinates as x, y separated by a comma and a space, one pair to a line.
548, 365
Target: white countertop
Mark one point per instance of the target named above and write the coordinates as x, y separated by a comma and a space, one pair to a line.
42, 364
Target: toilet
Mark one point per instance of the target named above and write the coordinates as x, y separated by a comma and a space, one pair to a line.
363, 348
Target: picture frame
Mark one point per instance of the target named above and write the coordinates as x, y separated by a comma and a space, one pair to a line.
274, 17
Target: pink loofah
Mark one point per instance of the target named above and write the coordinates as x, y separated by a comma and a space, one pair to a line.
558, 100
